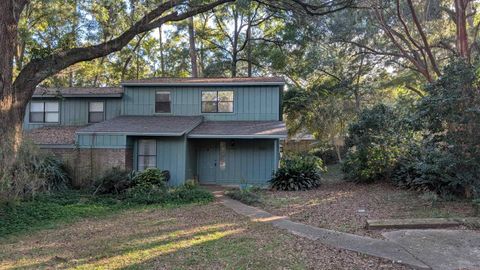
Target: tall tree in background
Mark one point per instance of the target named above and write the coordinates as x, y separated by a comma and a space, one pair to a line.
15, 92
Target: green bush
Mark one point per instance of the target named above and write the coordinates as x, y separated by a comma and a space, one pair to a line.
54, 171
375, 142
189, 194
448, 159
114, 181
147, 194
246, 196
151, 176
298, 172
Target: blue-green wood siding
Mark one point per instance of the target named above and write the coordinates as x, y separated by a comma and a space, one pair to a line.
250, 102
102, 141
74, 111
171, 156
247, 161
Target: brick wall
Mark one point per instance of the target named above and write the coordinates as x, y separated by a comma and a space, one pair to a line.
86, 165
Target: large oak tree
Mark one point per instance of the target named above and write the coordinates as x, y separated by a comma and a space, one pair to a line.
15, 93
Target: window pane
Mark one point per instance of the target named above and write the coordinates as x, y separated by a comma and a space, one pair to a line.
225, 95
162, 96
147, 147
51, 106
36, 117
162, 107
95, 117
209, 96
209, 106
96, 107
51, 117
36, 107
225, 106
145, 162
162, 102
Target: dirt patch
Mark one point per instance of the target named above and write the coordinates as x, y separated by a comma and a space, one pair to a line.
345, 206
191, 237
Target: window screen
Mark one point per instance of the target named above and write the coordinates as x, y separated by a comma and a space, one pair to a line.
147, 154
162, 102
217, 101
96, 112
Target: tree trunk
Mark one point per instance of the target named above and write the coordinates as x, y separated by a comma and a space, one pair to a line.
249, 46
11, 107
162, 60
461, 24
192, 49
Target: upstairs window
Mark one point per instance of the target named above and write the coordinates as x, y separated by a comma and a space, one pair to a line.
147, 154
217, 101
162, 102
44, 112
96, 111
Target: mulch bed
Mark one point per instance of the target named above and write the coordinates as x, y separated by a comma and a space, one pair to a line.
345, 206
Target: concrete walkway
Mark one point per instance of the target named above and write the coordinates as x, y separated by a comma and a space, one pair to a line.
403, 252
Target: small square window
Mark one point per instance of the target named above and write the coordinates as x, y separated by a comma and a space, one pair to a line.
162, 102
96, 112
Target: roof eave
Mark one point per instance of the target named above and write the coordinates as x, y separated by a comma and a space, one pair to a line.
160, 134
80, 95
222, 136
204, 84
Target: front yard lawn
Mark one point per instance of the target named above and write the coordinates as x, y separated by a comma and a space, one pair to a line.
345, 206
207, 236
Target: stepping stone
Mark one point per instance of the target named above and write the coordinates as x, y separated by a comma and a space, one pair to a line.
412, 223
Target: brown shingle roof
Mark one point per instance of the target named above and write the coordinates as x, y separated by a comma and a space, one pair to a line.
208, 81
78, 91
146, 125
240, 129
53, 135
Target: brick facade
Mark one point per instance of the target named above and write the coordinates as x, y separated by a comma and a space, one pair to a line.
87, 164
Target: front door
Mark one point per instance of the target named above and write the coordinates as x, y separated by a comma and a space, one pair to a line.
207, 162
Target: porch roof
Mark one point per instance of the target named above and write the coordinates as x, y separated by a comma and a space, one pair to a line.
240, 129
145, 125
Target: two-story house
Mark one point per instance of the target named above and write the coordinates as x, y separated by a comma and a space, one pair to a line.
216, 130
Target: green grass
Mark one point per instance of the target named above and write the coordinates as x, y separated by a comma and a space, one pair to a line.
49, 210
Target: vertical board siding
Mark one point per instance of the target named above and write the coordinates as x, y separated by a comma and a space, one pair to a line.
74, 111
250, 103
171, 156
102, 141
248, 161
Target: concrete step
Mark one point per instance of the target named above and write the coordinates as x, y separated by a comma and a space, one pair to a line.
412, 223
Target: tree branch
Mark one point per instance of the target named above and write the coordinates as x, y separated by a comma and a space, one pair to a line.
39, 69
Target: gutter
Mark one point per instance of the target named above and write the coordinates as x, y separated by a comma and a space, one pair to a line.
222, 136
205, 84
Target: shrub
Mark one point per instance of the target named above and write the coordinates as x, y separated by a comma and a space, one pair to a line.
151, 176
190, 194
114, 181
376, 141
54, 171
147, 194
448, 160
298, 172
246, 196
